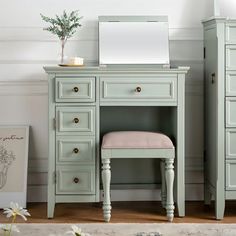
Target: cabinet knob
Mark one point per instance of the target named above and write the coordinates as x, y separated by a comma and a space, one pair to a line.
75, 150
138, 89
76, 180
76, 89
76, 120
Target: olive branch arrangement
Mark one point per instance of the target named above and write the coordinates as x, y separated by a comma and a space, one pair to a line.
63, 26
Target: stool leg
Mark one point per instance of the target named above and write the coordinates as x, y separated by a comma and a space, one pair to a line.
106, 180
163, 184
169, 174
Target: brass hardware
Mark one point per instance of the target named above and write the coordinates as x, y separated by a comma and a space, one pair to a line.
213, 76
76, 180
76, 120
138, 89
75, 150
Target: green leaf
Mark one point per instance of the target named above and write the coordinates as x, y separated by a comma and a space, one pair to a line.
63, 26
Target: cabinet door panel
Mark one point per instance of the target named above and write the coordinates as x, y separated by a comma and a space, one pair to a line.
231, 112
231, 174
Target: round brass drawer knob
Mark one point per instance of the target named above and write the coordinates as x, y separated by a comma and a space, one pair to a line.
138, 89
76, 150
76, 89
76, 180
76, 120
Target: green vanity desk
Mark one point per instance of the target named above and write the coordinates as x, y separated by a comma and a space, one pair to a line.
86, 102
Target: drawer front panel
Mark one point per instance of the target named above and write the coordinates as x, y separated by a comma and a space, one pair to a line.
76, 150
75, 180
76, 119
114, 89
230, 33
75, 89
231, 57
231, 84
231, 174
230, 143
231, 112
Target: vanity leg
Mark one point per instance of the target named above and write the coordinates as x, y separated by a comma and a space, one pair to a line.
163, 184
169, 174
106, 180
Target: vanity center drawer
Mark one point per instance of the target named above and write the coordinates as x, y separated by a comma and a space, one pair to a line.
75, 89
141, 89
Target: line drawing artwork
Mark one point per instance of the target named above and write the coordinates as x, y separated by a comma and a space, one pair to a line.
6, 159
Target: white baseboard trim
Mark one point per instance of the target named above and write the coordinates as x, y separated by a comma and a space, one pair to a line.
194, 192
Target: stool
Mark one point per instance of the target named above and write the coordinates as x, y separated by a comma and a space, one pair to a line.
139, 144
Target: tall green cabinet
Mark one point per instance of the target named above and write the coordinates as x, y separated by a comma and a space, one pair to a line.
220, 111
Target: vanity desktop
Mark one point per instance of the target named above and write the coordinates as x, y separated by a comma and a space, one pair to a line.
87, 102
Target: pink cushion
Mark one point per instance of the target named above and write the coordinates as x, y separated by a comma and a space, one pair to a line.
136, 139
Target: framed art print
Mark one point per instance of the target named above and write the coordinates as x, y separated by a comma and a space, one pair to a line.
14, 143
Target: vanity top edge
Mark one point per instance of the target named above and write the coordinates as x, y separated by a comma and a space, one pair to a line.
118, 69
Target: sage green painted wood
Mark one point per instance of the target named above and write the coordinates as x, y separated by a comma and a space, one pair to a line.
230, 112
60, 198
51, 148
72, 150
230, 195
230, 85
216, 67
168, 168
139, 153
75, 179
230, 57
231, 175
75, 89
230, 33
80, 120
69, 106
230, 143
138, 89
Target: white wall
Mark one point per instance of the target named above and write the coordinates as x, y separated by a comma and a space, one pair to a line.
25, 48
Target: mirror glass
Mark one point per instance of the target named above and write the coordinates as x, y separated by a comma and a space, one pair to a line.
133, 43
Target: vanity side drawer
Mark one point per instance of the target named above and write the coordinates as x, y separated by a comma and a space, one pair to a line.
80, 89
138, 89
75, 120
78, 149
230, 112
230, 57
230, 81
75, 180
230, 32
230, 143
230, 175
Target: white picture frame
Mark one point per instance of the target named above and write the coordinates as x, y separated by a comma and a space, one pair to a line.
14, 146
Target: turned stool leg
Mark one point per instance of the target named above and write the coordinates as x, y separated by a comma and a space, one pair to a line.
163, 184
169, 174
106, 180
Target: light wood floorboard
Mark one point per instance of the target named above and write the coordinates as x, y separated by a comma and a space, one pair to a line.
125, 212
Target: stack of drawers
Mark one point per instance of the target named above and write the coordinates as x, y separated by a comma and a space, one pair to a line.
230, 105
75, 136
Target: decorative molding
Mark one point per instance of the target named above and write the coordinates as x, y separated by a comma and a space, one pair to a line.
23, 88
88, 33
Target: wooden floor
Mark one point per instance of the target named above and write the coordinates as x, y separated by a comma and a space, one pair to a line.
125, 212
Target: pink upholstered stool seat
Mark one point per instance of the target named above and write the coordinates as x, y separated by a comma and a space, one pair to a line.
136, 139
